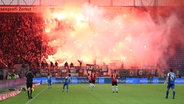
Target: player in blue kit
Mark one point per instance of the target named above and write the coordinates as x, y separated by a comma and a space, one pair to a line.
170, 80
66, 83
49, 80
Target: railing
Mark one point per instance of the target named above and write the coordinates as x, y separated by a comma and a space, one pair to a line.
20, 2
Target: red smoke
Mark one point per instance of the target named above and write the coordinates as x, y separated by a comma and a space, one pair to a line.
130, 36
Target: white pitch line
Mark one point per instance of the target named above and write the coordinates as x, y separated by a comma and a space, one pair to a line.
36, 96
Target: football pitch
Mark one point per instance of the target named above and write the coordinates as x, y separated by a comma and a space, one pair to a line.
101, 94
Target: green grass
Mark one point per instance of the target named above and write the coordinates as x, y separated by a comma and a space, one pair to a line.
102, 94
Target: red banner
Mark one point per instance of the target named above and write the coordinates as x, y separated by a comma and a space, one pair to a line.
19, 9
8, 95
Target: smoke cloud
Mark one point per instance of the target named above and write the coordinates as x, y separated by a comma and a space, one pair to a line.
130, 37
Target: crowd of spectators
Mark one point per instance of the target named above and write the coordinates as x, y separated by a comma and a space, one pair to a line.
20, 39
22, 42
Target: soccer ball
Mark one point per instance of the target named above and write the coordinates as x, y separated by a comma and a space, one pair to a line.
32, 89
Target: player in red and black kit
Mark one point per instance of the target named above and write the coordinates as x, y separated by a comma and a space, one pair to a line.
114, 77
93, 78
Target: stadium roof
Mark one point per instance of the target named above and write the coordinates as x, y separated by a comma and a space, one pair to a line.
93, 2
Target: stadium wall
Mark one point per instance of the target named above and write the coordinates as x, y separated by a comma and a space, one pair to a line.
11, 84
102, 80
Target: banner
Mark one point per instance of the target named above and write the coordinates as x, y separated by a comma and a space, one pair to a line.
8, 95
19, 9
27, 9
102, 80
